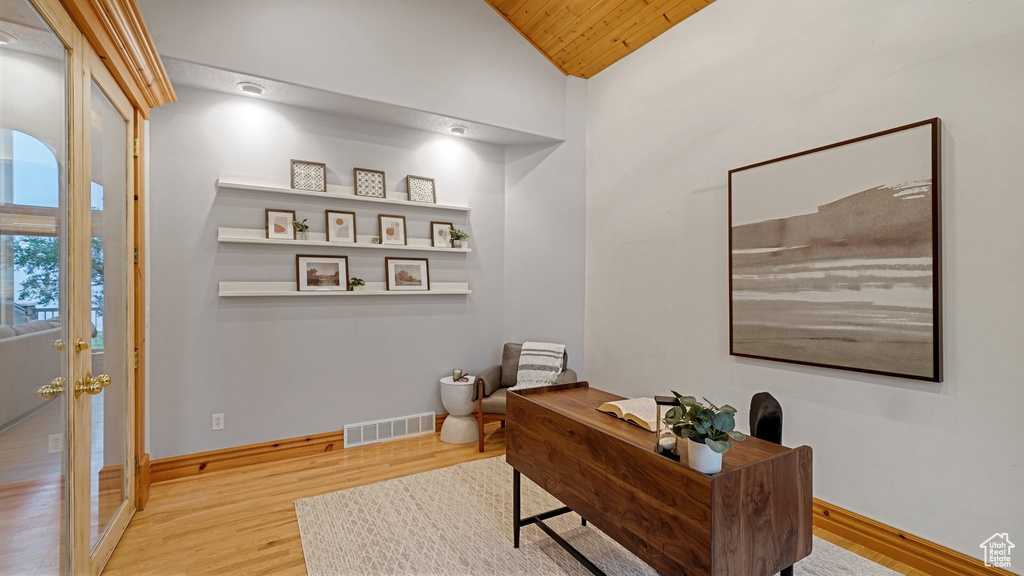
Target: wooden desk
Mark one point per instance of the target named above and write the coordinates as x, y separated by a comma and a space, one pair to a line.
751, 519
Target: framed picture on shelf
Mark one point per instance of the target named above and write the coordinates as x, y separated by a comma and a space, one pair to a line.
341, 226
407, 274
834, 255
421, 189
309, 176
392, 229
321, 273
280, 224
439, 235
369, 183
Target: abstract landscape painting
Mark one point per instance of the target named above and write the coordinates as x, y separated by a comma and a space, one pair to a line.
834, 256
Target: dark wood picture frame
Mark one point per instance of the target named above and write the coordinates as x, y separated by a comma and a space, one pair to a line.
387, 274
359, 191
380, 230
327, 221
323, 175
433, 234
267, 222
300, 274
855, 283
433, 188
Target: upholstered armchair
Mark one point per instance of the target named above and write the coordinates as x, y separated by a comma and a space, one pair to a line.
492, 384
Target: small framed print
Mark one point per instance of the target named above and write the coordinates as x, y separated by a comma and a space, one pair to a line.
280, 224
321, 273
392, 229
309, 176
407, 274
439, 235
369, 183
341, 226
421, 189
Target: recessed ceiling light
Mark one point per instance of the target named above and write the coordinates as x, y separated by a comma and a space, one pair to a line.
6, 38
251, 89
457, 130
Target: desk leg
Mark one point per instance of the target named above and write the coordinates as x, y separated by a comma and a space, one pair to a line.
538, 519
515, 507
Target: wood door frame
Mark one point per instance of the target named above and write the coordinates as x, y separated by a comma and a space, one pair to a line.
117, 31
142, 477
79, 562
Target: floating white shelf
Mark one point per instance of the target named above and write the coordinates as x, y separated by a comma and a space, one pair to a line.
231, 289
333, 192
257, 236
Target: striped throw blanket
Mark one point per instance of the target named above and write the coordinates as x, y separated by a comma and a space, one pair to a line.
539, 364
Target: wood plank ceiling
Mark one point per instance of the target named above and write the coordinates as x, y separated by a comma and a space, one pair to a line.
583, 37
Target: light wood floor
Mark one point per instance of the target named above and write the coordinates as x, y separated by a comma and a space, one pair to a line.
243, 521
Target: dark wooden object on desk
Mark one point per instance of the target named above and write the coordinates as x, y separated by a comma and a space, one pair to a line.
751, 519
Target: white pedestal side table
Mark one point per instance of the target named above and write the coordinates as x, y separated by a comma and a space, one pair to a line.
459, 427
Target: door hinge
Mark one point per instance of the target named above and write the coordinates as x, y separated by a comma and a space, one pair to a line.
135, 147
136, 358
136, 464
136, 253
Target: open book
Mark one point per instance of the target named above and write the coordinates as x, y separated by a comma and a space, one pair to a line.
640, 411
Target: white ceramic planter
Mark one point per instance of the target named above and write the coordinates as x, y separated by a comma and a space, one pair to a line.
702, 458
358, 288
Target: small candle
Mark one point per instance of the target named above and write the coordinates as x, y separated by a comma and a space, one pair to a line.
456, 375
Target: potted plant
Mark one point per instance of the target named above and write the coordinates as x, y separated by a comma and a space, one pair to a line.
356, 284
457, 236
709, 429
301, 228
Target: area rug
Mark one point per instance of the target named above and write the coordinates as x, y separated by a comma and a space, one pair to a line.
458, 520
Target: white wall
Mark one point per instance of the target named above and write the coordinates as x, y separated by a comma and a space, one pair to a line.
286, 367
545, 227
451, 57
745, 81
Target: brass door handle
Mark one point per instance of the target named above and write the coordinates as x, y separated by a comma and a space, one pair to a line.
91, 385
81, 345
51, 389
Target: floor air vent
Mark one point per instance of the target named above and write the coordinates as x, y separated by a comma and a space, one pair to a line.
381, 430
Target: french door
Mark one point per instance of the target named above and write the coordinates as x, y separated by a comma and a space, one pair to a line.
103, 451
66, 295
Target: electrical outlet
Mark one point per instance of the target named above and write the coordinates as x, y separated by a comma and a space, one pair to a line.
55, 443
218, 421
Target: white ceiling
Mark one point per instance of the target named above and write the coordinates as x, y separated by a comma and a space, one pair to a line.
206, 77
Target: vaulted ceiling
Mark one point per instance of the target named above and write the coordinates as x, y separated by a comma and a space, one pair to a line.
583, 37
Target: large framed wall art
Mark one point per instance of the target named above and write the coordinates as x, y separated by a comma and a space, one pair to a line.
834, 255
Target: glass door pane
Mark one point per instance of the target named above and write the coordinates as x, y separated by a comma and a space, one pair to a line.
108, 144
33, 294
